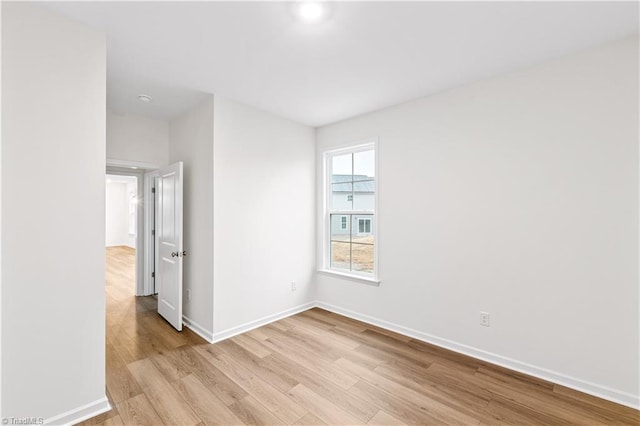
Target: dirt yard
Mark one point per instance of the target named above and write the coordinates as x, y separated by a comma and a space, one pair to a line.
361, 251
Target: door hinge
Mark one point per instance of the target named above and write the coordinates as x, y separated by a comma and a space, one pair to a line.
153, 275
153, 232
153, 190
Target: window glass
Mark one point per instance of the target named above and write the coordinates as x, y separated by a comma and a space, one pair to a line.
352, 190
364, 165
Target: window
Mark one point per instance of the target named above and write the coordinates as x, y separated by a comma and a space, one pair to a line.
364, 226
351, 201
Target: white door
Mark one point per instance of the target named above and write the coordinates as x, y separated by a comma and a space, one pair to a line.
169, 248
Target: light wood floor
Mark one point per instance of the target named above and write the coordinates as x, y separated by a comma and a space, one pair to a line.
313, 368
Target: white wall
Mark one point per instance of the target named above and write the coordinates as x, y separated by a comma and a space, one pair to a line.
118, 195
139, 139
191, 141
527, 207
53, 131
264, 204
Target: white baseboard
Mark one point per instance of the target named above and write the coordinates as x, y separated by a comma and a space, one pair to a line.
260, 322
594, 389
198, 329
80, 414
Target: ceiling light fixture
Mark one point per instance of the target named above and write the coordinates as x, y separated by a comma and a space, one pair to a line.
144, 98
311, 11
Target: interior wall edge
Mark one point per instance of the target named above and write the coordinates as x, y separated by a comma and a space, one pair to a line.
243, 328
81, 413
198, 328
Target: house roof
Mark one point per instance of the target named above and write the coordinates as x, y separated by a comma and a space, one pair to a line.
353, 183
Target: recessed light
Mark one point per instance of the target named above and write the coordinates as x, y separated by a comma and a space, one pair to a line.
144, 98
311, 11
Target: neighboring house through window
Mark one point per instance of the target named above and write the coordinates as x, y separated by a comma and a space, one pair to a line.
350, 245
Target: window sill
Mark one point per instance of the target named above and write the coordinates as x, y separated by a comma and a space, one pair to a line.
353, 277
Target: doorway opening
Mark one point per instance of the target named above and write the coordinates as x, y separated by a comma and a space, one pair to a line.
121, 234
130, 222
144, 236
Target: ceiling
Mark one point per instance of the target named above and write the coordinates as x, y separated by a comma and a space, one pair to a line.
365, 56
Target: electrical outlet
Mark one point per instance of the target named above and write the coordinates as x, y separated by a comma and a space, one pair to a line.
293, 286
484, 319
188, 294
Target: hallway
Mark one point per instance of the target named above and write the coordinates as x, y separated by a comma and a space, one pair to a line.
135, 332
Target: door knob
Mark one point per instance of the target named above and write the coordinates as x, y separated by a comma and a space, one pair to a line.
184, 253
175, 253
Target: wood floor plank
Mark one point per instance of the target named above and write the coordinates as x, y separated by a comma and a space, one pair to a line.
383, 419
506, 411
304, 343
384, 350
251, 345
455, 393
275, 401
281, 380
309, 420
138, 411
170, 337
403, 410
321, 407
325, 337
542, 403
617, 412
216, 381
323, 368
357, 407
461, 395
251, 412
113, 421
121, 384
436, 409
297, 321
504, 375
171, 408
205, 404
260, 333
445, 356
126, 347
171, 368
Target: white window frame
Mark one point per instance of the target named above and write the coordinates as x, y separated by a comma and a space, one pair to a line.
351, 148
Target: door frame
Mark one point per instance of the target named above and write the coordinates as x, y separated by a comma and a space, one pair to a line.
150, 203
